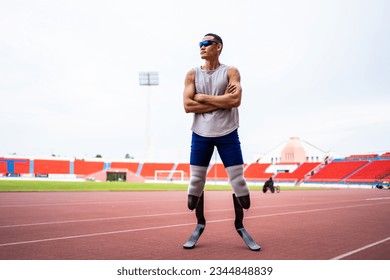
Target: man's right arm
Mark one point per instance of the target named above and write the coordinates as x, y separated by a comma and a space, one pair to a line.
190, 105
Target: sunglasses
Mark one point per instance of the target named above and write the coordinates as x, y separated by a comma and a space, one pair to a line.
207, 43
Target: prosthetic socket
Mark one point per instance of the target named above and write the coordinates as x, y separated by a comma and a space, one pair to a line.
236, 178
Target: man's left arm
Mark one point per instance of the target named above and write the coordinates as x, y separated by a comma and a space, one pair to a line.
232, 95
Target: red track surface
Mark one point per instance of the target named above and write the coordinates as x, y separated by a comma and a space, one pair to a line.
309, 225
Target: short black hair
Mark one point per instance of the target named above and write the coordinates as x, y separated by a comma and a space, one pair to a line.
216, 37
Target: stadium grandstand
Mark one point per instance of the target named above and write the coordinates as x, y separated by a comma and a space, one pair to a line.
295, 162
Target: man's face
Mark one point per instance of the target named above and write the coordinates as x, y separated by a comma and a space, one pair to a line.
210, 48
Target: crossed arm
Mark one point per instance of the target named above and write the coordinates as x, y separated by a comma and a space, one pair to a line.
203, 103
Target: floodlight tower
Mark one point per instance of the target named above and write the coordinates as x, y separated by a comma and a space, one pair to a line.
148, 79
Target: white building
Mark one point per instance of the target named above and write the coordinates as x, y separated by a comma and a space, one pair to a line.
294, 150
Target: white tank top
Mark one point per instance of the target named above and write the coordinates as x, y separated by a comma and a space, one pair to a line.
221, 121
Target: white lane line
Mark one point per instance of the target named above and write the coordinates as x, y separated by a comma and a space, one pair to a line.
314, 210
360, 249
379, 198
82, 203
93, 234
180, 225
95, 219
153, 201
158, 215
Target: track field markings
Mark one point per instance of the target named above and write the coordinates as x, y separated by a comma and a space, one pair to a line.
167, 214
181, 225
94, 220
360, 249
378, 198
81, 203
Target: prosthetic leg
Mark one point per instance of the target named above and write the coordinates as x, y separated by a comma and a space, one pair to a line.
199, 227
240, 227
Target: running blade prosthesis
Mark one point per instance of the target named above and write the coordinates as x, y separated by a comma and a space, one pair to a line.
240, 227
199, 227
239, 213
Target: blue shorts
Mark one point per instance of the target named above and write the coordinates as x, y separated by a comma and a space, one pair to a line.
228, 146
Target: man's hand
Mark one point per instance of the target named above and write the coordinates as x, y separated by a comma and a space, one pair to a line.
190, 102
203, 103
200, 97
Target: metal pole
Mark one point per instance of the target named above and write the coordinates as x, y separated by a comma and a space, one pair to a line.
148, 79
147, 152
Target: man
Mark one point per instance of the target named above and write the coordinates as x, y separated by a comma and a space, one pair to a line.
213, 93
269, 184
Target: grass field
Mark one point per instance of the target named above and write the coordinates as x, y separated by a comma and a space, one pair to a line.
36, 186
16, 185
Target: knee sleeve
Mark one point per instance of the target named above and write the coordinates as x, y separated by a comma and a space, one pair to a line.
197, 180
237, 180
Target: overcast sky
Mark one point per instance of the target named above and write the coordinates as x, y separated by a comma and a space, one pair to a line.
318, 70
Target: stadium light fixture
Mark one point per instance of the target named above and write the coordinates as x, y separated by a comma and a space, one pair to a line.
148, 78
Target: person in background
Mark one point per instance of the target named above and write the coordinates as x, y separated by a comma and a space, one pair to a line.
269, 184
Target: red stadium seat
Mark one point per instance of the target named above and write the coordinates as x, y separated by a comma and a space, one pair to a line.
257, 171
375, 170
336, 171
298, 174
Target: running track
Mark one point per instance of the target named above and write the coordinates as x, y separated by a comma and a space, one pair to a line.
293, 225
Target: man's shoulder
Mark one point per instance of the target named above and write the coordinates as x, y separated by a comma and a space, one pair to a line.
232, 68
232, 72
191, 72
